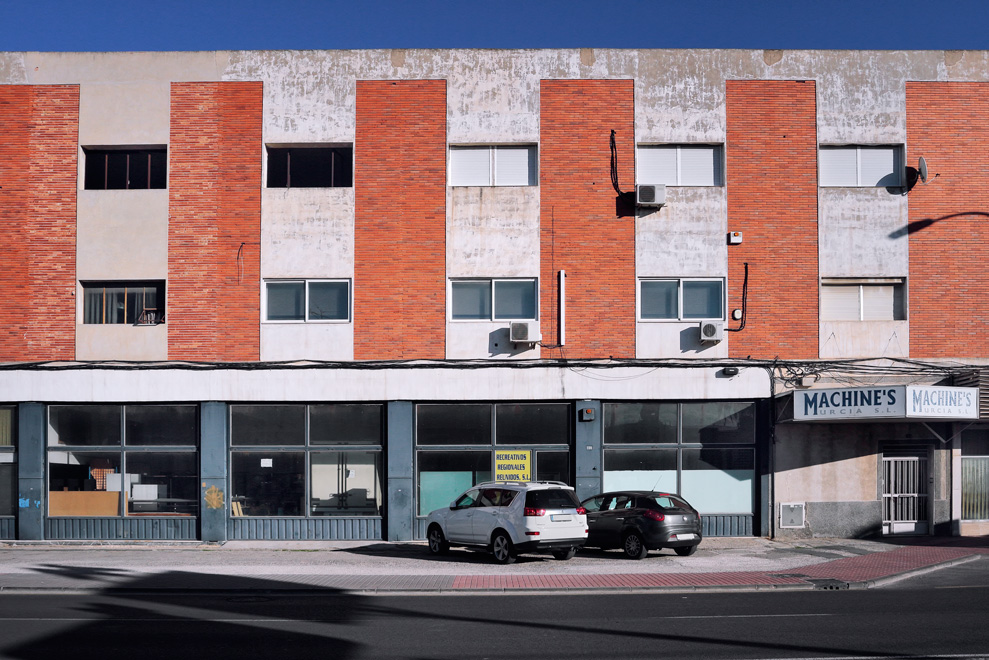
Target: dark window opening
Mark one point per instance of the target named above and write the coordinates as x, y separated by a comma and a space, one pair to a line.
136, 303
310, 167
126, 169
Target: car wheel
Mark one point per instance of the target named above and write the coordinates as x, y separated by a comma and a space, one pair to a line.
565, 554
437, 542
502, 548
633, 546
686, 551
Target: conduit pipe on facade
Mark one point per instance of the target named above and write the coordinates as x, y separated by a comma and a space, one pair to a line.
562, 323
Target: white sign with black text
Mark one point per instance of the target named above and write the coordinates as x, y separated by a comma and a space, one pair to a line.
894, 401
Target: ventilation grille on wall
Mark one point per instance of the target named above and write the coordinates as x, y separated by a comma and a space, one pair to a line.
976, 378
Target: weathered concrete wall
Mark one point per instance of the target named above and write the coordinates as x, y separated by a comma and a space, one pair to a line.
121, 342
851, 339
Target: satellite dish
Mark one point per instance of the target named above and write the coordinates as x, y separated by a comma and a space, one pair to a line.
922, 168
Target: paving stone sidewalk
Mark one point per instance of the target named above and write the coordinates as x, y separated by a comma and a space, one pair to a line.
380, 567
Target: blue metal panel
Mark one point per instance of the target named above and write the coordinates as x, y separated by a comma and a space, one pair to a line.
726, 525
305, 529
145, 528
7, 526
587, 450
31, 426
213, 470
399, 449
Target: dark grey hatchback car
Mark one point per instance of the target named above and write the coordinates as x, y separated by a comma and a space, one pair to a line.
638, 521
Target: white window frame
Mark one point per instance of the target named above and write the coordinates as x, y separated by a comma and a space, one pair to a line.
829, 178
455, 179
307, 282
493, 282
717, 174
680, 282
899, 307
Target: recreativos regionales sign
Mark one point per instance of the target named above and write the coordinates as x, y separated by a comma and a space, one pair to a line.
903, 401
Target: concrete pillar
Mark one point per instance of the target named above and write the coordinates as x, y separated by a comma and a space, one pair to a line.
31, 471
400, 445
214, 503
587, 450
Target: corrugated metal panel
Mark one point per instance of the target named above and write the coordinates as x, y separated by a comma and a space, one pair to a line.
980, 379
420, 529
304, 529
727, 525
7, 526
116, 529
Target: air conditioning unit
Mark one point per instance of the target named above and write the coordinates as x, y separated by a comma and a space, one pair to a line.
523, 333
712, 331
653, 194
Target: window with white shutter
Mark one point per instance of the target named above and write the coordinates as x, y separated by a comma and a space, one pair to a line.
857, 166
870, 299
493, 166
679, 164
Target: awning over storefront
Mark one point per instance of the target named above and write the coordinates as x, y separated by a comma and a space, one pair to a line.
920, 403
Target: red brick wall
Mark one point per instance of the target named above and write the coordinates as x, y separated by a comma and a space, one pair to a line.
400, 220
772, 198
580, 226
214, 222
39, 149
948, 124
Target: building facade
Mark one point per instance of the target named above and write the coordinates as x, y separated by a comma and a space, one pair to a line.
316, 294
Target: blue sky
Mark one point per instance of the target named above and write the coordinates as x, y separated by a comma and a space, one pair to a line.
116, 25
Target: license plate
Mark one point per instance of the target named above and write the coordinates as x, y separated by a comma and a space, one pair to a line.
685, 537
560, 517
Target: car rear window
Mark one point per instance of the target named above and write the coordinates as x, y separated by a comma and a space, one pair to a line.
553, 498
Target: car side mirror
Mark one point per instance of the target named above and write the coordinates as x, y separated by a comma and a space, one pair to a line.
453, 506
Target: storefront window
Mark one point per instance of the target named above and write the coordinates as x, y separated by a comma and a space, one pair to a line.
719, 422
975, 475
638, 469
457, 445
345, 483
269, 483
313, 480
111, 460
8, 468
453, 424
444, 475
719, 480
532, 423
640, 423
684, 448
267, 425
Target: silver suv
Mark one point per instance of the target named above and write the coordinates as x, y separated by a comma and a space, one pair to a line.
509, 517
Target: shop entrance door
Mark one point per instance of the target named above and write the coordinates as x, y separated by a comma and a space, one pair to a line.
905, 501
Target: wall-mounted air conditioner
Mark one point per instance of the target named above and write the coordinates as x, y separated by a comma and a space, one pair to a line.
653, 194
523, 332
712, 331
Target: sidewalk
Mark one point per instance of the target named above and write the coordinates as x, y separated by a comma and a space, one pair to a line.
369, 567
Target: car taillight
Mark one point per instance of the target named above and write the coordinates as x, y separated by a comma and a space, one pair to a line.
581, 511
655, 515
533, 512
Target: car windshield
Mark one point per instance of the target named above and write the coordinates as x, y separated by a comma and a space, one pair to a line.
551, 498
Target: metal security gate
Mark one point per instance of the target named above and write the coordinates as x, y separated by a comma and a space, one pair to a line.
905, 503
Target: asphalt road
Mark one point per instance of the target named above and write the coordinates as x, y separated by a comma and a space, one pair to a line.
942, 614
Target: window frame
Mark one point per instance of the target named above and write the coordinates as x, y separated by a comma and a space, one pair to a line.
899, 162
157, 316
492, 297
898, 312
306, 299
680, 299
275, 151
306, 447
90, 152
718, 175
532, 165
